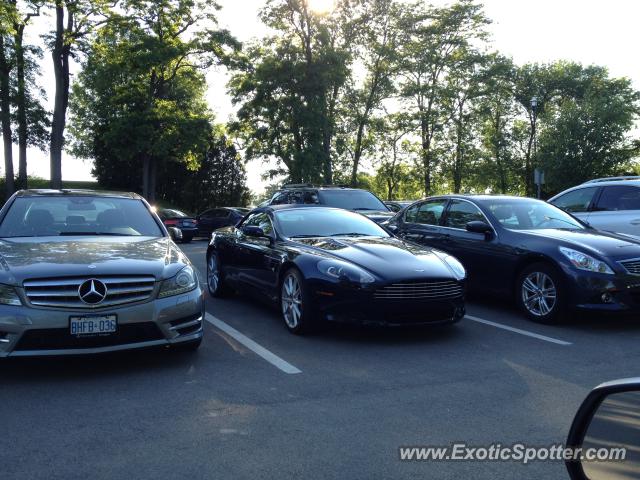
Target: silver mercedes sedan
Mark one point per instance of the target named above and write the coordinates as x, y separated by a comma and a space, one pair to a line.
84, 272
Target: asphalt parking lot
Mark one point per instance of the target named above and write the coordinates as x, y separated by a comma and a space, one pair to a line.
258, 402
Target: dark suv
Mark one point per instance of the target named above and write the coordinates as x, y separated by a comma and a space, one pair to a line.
354, 199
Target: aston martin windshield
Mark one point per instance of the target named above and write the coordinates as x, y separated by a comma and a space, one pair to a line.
40, 216
321, 222
517, 214
351, 200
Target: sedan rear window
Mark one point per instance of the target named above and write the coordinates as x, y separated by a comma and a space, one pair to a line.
46, 216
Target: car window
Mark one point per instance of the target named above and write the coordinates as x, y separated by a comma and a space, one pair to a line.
281, 198
74, 215
259, 220
619, 198
296, 197
576, 201
460, 213
427, 213
529, 214
171, 213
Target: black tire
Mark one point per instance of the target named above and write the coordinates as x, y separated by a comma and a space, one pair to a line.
190, 347
294, 304
541, 294
186, 238
217, 287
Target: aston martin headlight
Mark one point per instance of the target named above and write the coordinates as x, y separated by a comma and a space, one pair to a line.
582, 261
342, 270
456, 267
8, 295
185, 281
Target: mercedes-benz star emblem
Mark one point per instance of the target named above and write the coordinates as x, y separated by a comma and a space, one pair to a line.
92, 291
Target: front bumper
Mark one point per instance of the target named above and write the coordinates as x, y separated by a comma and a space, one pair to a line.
359, 305
604, 293
29, 331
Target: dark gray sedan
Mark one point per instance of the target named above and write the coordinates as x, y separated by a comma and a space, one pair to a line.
88, 272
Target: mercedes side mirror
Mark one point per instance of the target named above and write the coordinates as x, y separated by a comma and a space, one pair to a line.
175, 233
604, 440
478, 226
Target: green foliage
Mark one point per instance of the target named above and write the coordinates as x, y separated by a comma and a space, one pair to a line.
220, 180
139, 102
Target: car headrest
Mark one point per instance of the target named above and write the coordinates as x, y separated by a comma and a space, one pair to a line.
503, 212
39, 219
75, 220
112, 218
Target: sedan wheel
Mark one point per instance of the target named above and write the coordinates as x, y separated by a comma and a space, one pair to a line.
540, 294
215, 282
293, 304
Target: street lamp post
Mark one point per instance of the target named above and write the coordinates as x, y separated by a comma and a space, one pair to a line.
534, 111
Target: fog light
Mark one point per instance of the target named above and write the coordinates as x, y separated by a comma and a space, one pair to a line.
607, 298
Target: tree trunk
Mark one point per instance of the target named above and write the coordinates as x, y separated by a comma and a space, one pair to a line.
426, 156
5, 70
153, 175
146, 168
60, 56
21, 109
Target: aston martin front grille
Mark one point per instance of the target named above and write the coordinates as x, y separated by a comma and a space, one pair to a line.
64, 292
435, 290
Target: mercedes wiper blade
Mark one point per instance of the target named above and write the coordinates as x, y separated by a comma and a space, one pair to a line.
363, 208
110, 234
305, 236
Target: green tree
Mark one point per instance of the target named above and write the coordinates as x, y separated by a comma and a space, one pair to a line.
219, 181
140, 98
586, 133
435, 40
288, 86
75, 20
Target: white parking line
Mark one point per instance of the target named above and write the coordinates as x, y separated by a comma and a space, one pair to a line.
270, 357
517, 330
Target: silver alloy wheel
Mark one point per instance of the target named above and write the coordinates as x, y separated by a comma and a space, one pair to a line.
291, 301
539, 294
213, 274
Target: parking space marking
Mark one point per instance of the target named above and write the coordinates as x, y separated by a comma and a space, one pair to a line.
259, 350
518, 330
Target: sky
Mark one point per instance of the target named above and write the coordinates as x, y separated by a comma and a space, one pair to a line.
588, 31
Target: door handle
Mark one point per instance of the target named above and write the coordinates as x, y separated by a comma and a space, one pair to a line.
635, 222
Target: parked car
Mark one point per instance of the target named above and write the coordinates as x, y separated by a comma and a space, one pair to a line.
354, 199
528, 249
215, 218
187, 224
611, 204
91, 272
397, 205
327, 264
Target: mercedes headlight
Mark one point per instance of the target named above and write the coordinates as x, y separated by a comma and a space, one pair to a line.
339, 270
582, 261
185, 281
8, 295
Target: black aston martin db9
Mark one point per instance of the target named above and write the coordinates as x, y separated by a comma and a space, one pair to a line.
327, 264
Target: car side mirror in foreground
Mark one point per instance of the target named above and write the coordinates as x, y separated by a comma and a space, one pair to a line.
478, 226
605, 435
175, 233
